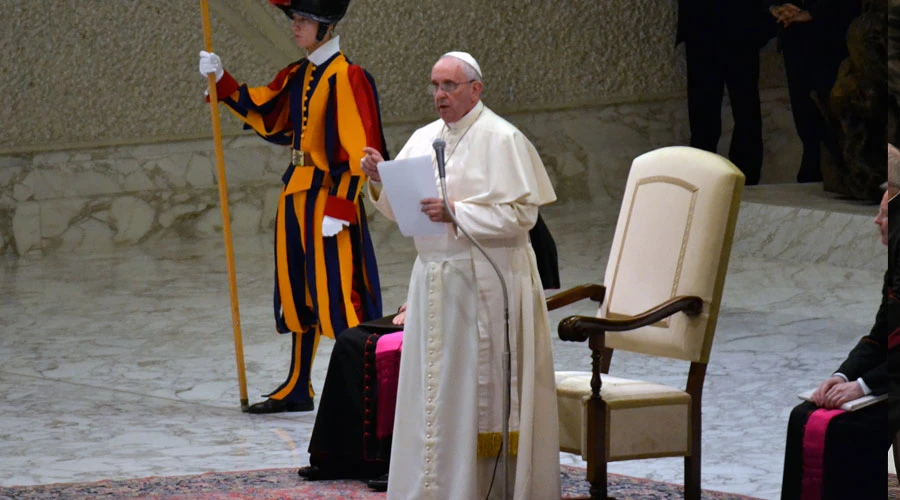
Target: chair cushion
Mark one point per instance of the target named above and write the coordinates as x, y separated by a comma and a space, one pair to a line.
649, 419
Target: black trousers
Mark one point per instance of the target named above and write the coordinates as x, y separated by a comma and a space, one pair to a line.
805, 67
711, 67
813, 52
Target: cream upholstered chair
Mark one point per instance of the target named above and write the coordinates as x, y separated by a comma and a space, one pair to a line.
663, 286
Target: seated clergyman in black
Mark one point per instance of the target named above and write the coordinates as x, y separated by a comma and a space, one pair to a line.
831, 454
344, 443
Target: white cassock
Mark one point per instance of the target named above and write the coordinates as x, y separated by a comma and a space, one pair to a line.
447, 429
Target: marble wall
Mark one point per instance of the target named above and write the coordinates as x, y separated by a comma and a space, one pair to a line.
101, 198
113, 72
106, 141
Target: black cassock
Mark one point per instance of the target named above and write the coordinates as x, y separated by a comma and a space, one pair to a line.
344, 441
854, 462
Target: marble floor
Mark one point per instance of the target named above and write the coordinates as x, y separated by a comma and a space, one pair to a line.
121, 365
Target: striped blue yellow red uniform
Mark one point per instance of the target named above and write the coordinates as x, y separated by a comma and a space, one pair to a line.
323, 285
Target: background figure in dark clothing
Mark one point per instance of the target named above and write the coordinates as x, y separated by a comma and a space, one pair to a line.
722, 39
812, 38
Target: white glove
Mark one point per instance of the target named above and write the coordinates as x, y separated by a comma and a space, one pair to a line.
210, 63
332, 226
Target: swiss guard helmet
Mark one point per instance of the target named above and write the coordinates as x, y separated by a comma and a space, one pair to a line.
323, 11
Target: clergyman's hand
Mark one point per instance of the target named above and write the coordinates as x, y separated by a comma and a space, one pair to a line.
400, 318
369, 163
818, 395
841, 393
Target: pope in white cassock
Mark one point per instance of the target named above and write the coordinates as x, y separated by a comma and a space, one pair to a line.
447, 429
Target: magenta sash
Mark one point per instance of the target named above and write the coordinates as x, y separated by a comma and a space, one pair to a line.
814, 452
387, 367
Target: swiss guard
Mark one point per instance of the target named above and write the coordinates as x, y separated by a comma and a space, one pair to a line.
325, 109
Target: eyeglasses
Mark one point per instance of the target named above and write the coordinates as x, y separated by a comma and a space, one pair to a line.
448, 87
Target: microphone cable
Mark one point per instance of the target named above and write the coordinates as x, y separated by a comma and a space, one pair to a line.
439, 146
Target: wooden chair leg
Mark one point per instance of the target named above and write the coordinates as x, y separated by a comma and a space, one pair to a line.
598, 487
596, 455
692, 470
692, 462
692, 477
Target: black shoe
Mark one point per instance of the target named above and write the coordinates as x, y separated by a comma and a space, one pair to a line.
277, 406
304, 472
316, 473
379, 483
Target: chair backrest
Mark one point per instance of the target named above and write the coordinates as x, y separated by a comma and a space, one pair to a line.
673, 237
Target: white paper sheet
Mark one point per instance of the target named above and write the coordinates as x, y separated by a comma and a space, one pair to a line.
406, 183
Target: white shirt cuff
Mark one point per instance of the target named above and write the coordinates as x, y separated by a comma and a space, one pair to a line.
864, 387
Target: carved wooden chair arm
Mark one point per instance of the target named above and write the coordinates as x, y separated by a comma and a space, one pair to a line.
566, 297
579, 328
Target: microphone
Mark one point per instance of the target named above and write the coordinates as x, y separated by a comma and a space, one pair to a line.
439, 146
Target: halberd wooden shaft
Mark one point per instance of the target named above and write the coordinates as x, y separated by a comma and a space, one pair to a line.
226, 216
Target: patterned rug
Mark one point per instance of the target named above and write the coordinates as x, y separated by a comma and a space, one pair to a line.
284, 484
